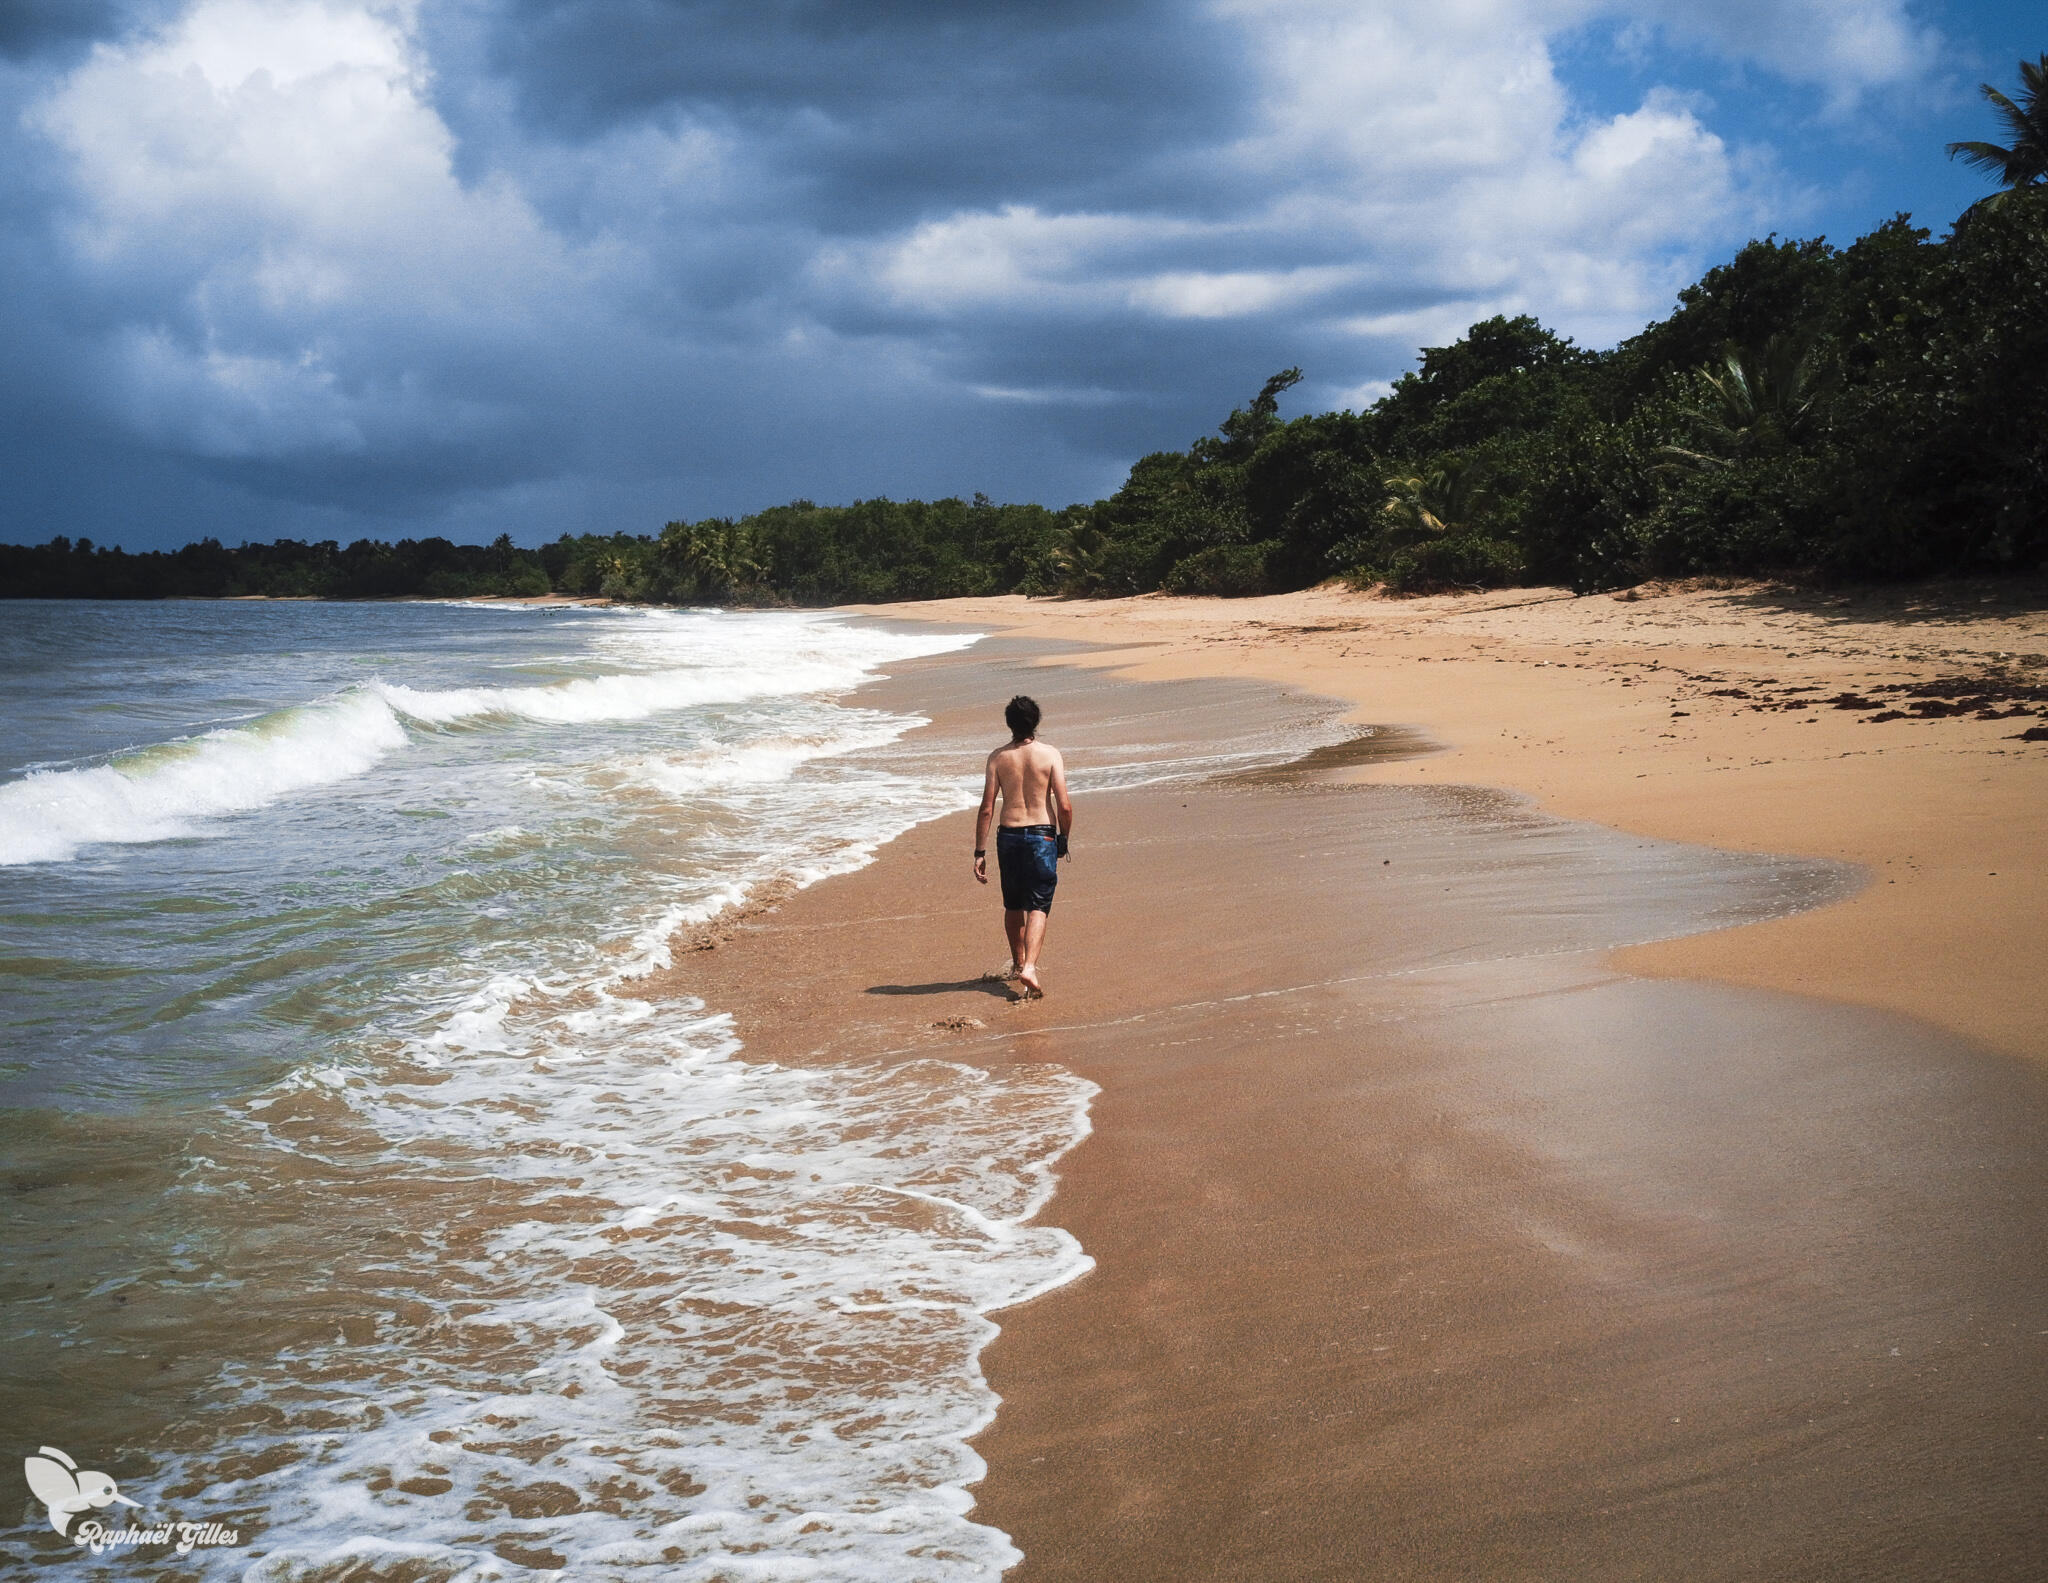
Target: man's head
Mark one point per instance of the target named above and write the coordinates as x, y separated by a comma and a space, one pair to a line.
1022, 716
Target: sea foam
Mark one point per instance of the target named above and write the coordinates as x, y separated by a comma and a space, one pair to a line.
177, 788
674, 1313
543, 1274
683, 1315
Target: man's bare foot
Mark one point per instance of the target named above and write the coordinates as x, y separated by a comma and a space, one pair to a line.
1000, 975
1027, 983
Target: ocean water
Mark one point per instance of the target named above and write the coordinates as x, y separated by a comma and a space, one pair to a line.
357, 1201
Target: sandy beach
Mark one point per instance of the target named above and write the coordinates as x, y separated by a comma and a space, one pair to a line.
1605, 1136
1701, 716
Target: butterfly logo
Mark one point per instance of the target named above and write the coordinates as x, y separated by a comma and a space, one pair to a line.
60, 1486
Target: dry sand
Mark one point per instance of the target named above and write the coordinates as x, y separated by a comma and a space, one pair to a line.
1435, 1240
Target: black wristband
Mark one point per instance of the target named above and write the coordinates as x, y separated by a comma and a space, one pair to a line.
981, 851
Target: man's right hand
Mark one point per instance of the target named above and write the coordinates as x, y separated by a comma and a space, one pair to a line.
981, 867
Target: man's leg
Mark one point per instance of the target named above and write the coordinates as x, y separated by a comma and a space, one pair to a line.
1013, 928
1034, 937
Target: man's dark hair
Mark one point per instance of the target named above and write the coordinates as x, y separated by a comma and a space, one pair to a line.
1022, 716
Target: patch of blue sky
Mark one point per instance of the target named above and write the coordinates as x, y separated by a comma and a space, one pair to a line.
1832, 159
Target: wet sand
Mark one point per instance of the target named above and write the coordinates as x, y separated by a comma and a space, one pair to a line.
1429, 1243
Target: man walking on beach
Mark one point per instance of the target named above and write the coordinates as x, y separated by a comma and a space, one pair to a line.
1030, 777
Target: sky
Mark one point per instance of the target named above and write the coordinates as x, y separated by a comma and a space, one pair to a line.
389, 268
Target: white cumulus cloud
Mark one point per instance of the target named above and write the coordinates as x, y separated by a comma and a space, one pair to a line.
266, 191
1844, 47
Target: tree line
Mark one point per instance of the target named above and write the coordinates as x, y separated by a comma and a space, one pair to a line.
806, 554
1876, 411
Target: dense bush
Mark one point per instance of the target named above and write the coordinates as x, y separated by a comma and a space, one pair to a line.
1231, 570
1869, 412
1455, 563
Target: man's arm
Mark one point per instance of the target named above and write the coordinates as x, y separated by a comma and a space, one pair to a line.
984, 819
1062, 804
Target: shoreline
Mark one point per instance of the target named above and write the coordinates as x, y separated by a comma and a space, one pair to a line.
1427, 1243
1701, 715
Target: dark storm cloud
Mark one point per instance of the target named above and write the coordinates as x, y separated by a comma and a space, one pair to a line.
885, 110
330, 267
830, 122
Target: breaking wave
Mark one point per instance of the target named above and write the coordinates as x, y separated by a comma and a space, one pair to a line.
177, 788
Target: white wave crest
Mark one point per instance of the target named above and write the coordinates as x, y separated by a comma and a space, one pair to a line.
589, 699
168, 791
175, 788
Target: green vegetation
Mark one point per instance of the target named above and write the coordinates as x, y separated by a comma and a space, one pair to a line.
1870, 412
1878, 411
433, 568
794, 554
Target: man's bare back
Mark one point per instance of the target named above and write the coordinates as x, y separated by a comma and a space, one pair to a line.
1027, 780
1024, 773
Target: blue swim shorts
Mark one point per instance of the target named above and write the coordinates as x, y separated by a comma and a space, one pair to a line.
1028, 861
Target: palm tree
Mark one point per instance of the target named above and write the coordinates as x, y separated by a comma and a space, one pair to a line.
1759, 397
2025, 163
1075, 557
709, 559
618, 578
1449, 496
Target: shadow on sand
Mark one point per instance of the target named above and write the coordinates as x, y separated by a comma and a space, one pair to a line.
1936, 601
987, 986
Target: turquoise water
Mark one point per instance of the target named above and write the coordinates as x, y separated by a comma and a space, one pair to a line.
361, 1203
233, 835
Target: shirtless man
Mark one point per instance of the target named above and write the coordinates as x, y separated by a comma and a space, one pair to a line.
1038, 816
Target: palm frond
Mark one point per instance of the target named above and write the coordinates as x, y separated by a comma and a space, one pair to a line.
1987, 157
2008, 112
2025, 162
